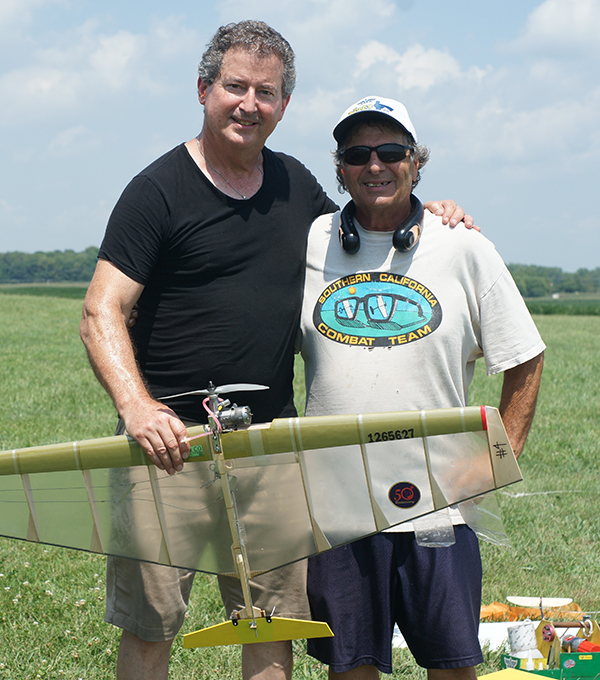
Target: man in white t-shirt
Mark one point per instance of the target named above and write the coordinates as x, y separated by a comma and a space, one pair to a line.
396, 311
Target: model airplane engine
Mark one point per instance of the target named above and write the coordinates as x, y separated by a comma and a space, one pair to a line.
232, 418
229, 418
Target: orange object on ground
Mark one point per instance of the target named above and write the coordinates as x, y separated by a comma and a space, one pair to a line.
496, 611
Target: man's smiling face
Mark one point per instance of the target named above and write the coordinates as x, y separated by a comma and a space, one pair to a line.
379, 187
245, 102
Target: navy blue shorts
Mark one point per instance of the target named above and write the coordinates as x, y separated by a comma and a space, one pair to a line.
433, 594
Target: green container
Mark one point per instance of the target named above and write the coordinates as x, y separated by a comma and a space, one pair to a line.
570, 666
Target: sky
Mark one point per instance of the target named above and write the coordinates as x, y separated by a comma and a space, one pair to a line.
505, 94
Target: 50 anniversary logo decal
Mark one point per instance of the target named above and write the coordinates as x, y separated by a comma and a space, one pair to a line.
376, 309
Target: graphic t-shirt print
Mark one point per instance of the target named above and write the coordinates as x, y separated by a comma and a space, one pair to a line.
376, 309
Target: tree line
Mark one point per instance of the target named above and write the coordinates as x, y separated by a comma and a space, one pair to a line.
534, 281
63, 266
48, 267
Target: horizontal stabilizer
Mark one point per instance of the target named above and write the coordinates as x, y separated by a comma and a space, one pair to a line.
243, 632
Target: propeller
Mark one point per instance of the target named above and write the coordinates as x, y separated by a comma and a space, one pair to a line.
213, 391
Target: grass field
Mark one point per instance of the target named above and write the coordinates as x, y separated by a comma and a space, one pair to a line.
567, 306
52, 600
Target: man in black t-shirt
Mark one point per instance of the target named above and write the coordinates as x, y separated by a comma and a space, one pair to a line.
209, 241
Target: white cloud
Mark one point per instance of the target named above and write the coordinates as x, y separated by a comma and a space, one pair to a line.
29, 92
316, 28
170, 37
320, 108
13, 214
5, 207
19, 11
533, 135
114, 58
87, 65
562, 26
417, 67
321, 16
72, 141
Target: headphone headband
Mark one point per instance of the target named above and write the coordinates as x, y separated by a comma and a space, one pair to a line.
405, 236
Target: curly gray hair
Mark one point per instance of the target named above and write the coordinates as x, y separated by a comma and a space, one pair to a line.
252, 36
420, 153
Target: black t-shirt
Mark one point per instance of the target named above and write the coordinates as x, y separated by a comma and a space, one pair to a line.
223, 278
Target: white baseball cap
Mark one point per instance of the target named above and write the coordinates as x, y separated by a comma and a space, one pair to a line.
373, 107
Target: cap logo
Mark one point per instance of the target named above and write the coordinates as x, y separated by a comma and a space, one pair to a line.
370, 105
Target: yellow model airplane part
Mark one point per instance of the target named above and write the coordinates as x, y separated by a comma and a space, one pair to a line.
246, 631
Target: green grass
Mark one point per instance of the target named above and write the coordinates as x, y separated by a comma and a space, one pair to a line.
52, 600
49, 393
571, 307
556, 536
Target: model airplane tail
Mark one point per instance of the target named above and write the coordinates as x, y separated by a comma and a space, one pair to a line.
263, 629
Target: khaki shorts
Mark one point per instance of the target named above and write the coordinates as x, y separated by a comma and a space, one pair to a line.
150, 600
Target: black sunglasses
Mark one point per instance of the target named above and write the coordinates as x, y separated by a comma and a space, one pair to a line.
387, 153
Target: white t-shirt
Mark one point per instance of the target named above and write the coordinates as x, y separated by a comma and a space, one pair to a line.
388, 331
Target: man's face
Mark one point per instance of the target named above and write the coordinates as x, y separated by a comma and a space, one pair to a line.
379, 187
245, 102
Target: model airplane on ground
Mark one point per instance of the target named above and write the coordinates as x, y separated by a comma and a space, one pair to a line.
254, 497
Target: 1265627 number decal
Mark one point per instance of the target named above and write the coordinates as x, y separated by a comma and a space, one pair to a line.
390, 435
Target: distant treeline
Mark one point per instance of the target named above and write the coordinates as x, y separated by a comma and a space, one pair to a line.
534, 281
55, 266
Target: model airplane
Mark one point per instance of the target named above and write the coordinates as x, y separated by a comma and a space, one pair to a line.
254, 498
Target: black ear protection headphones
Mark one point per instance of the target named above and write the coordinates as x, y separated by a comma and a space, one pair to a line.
405, 237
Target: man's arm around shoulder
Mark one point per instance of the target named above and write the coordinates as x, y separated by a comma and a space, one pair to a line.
519, 397
106, 310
